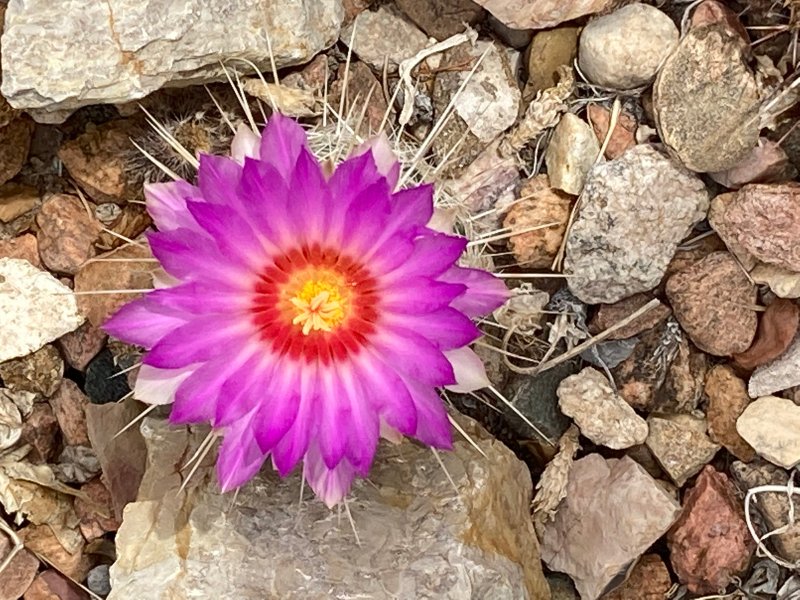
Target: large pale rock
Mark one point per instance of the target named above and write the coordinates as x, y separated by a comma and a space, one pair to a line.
103, 52
35, 308
771, 425
600, 413
624, 49
612, 513
636, 210
418, 537
541, 14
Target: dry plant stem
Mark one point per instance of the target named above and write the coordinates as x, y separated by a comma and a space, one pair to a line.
790, 491
16, 545
406, 66
580, 347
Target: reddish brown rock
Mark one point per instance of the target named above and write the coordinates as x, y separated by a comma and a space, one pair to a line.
649, 580
611, 314
69, 404
18, 574
682, 389
112, 276
727, 399
39, 372
712, 12
711, 300
79, 347
96, 514
623, 136
776, 330
538, 204
40, 430
690, 253
709, 543
24, 246
15, 141
95, 160
764, 220
66, 233
766, 163
130, 224
52, 585
41, 540
441, 18
16, 200
362, 84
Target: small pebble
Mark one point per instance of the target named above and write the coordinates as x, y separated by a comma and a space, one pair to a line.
99, 580
570, 154
101, 386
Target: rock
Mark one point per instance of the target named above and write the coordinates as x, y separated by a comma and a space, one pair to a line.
710, 123
608, 315
41, 540
602, 416
10, 423
37, 308
383, 35
95, 509
18, 574
709, 543
535, 396
623, 50
361, 84
16, 200
122, 455
542, 14
773, 506
494, 556
612, 513
765, 221
132, 222
66, 234
572, 150
716, 215
516, 38
711, 12
683, 386
648, 580
76, 464
442, 18
636, 210
52, 585
24, 247
39, 372
488, 182
100, 275
561, 587
780, 374
782, 282
103, 382
96, 160
680, 445
609, 353
771, 425
69, 404
711, 300
137, 50
623, 136
548, 51
15, 142
40, 430
79, 347
776, 331
727, 399
485, 108
766, 163
689, 254
98, 580
538, 204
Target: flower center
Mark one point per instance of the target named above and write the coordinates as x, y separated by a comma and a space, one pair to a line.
320, 306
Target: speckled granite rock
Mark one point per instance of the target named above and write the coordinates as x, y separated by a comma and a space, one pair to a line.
114, 51
418, 538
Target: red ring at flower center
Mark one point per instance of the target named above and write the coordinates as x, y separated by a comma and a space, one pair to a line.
315, 303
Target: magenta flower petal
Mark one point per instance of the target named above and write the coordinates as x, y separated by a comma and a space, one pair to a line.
304, 315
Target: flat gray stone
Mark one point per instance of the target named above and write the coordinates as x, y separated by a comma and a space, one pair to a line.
781, 374
418, 537
57, 58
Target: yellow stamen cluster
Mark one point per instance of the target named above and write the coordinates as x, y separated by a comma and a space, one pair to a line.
320, 306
